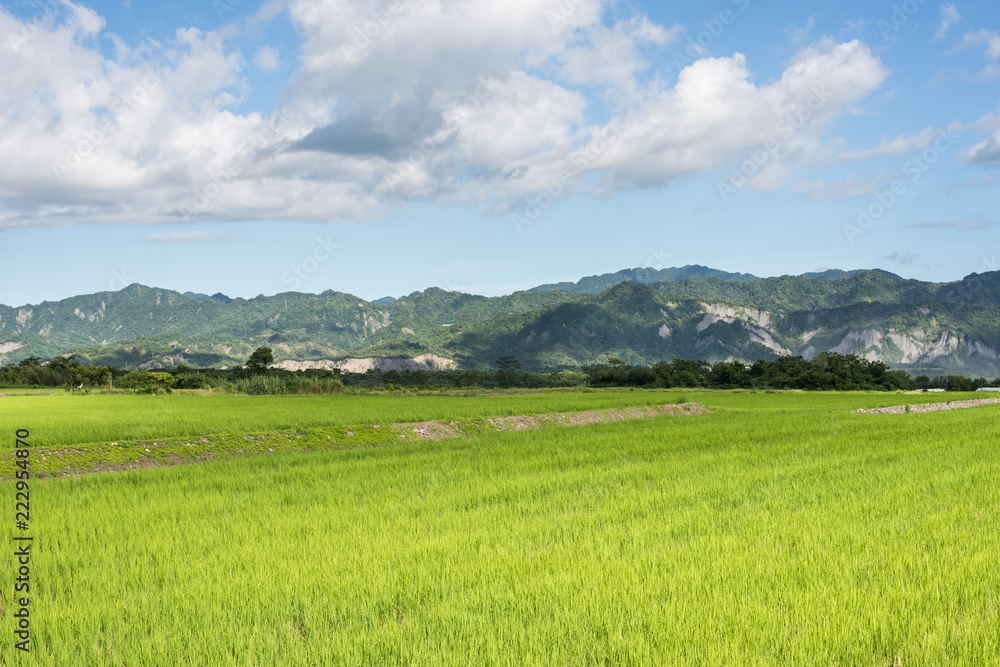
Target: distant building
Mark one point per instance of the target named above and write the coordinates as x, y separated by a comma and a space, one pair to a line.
933, 389
988, 389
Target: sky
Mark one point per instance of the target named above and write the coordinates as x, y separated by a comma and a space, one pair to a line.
379, 148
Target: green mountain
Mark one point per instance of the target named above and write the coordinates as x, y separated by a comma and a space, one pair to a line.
932, 328
597, 284
954, 328
146, 325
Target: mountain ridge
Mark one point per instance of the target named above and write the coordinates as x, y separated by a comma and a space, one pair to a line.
598, 283
910, 324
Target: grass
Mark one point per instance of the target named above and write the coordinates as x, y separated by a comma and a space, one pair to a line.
77, 419
68, 419
780, 529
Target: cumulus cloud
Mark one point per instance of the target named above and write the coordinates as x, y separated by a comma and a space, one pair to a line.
463, 101
716, 114
610, 56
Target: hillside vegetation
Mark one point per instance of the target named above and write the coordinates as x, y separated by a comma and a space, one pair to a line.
926, 328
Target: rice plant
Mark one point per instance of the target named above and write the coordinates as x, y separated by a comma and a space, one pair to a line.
778, 529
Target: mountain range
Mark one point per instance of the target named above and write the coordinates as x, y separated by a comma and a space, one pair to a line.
639, 315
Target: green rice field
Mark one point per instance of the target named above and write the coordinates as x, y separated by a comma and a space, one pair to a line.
777, 529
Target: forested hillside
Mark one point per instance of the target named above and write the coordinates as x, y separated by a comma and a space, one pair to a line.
913, 325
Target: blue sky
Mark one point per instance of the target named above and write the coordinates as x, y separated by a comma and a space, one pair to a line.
379, 148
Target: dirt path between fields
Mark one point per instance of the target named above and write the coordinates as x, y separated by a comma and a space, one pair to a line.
436, 430
931, 407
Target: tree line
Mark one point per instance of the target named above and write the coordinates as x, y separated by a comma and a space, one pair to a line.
827, 371
68, 373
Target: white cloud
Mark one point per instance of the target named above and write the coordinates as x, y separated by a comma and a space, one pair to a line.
949, 17
988, 39
799, 36
715, 114
609, 56
267, 59
898, 146
458, 101
986, 151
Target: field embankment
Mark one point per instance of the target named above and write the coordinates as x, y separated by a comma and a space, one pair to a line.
120, 456
931, 407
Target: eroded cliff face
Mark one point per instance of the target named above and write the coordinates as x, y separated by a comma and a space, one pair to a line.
753, 328
916, 347
923, 345
424, 362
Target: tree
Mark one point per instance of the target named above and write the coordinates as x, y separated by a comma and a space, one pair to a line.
158, 382
261, 358
60, 364
508, 365
94, 375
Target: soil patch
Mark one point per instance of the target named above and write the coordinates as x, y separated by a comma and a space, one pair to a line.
434, 430
931, 407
